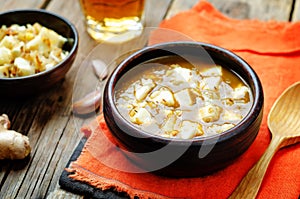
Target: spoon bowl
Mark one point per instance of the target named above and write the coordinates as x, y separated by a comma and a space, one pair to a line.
283, 116
284, 125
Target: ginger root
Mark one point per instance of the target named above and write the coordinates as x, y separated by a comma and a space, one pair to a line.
13, 145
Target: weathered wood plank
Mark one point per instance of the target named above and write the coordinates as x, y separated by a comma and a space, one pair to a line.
50, 126
243, 9
23, 113
44, 134
47, 119
2, 3
156, 11
179, 6
17, 4
60, 159
61, 194
255, 9
296, 14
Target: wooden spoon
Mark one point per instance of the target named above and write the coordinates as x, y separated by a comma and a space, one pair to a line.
284, 124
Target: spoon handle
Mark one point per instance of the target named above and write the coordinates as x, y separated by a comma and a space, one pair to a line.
249, 186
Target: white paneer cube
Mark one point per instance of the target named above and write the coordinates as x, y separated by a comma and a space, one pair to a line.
50, 65
226, 91
210, 113
42, 46
18, 49
213, 71
167, 112
17, 28
185, 98
231, 116
220, 128
141, 91
241, 93
45, 40
148, 82
164, 96
190, 129
24, 67
181, 74
210, 96
140, 116
169, 124
8, 41
4, 72
210, 83
5, 56
54, 38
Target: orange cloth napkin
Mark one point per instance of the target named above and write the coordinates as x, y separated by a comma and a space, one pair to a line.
273, 50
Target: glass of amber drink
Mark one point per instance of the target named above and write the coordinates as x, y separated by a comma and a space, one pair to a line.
113, 21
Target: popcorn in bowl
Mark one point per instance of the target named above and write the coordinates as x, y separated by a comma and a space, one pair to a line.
29, 49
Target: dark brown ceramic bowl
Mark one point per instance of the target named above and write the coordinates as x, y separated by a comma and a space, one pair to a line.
178, 157
34, 84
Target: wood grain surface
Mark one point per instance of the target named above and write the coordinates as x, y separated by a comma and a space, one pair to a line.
47, 119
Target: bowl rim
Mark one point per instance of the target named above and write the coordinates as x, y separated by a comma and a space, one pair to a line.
250, 118
68, 57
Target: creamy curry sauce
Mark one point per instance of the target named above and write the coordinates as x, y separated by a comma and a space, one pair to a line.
173, 98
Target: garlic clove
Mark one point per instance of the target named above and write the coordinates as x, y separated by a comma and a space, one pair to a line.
88, 103
100, 69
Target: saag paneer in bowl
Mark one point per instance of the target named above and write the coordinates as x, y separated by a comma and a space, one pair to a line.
183, 109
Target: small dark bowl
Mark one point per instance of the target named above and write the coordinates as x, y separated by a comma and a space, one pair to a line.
34, 84
221, 149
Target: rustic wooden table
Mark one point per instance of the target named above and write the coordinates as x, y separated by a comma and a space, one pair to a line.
47, 119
